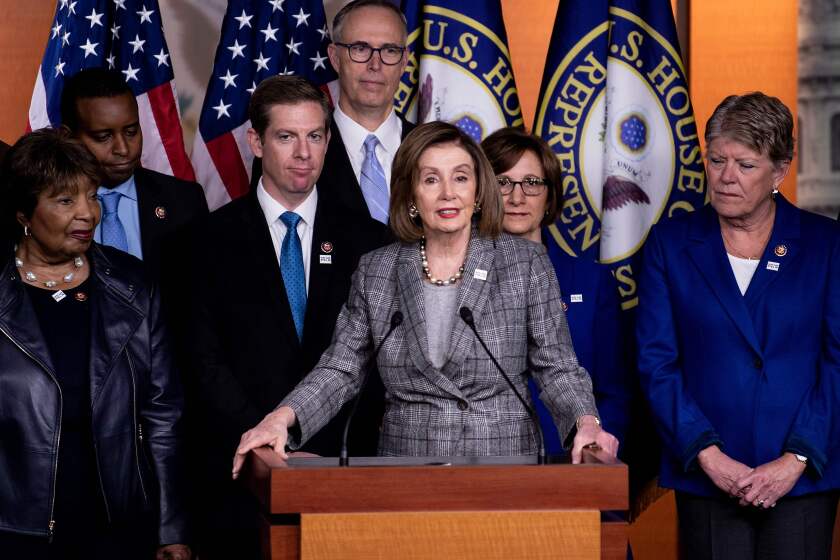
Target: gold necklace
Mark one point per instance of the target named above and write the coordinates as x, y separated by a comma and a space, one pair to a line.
728, 245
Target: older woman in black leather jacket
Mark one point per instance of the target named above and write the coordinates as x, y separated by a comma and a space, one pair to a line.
89, 402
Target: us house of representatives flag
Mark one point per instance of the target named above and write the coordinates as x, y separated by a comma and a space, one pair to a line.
459, 67
614, 106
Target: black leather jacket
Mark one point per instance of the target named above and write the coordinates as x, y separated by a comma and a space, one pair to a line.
136, 403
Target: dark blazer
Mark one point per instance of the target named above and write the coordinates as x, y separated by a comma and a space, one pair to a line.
464, 408
245, 351
591, 302
337, 180
135, 394
758, 374
166, 206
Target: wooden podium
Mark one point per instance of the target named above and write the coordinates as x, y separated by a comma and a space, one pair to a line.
428, 507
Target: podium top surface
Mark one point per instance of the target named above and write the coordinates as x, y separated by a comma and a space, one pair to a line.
311, 484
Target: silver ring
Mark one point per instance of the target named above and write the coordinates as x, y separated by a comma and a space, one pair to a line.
759, 503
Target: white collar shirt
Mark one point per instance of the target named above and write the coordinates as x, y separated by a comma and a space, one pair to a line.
272, 210
353, 134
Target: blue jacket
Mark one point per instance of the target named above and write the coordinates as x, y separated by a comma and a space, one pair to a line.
590, 300
757, 374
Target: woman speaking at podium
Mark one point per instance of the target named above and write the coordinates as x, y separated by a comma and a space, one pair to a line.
446, 313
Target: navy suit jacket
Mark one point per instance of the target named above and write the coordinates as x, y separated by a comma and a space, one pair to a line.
756, 374
590, 300
166, 206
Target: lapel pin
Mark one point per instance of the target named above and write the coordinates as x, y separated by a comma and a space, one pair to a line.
576, 298
480, 274
81, 296
325, 259
160, 212
780, 250
772, 265
326, 247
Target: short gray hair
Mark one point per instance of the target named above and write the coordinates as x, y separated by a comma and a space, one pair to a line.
338, 20
758, 121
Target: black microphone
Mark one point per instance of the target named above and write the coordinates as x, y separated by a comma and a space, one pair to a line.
396, 321
467, 316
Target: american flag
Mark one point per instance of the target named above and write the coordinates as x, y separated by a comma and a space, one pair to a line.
126, 35
260, 38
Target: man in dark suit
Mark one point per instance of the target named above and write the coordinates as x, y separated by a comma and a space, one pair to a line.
368, 53
276, 271
143, 211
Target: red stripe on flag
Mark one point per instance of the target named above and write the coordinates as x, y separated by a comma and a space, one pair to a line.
164, 109
225, 155
326, 89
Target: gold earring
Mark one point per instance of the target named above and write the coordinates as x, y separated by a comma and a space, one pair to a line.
476, 208
413, 212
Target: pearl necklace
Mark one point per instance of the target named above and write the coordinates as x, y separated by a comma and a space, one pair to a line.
425, 263
30, 276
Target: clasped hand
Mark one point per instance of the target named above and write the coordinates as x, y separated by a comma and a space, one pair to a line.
762, 486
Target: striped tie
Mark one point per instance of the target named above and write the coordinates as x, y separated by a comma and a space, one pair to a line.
373, 183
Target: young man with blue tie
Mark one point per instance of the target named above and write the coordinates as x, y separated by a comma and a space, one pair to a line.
277, 267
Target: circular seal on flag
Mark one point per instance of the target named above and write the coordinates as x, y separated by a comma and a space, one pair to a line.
160, 212
616, 111
326, 247
459, 71
780, 250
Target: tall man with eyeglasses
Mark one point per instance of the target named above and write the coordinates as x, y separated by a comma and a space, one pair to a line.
368, 53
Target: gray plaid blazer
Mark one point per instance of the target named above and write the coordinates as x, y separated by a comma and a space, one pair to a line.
466, 407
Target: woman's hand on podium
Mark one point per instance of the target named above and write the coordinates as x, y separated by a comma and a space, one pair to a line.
590, 434
273, 430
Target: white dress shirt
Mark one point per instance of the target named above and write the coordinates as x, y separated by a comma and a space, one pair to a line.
306, 210
353, 134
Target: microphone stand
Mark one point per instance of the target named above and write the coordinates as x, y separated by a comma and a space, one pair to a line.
396, 321
467, 317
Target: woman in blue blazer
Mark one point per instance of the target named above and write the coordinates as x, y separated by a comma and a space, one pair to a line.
529, 178
739, 349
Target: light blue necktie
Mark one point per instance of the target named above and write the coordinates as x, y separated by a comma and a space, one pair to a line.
113, 232
373, 183
291, 266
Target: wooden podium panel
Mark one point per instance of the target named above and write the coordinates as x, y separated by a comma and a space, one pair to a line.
571, 535
376, 498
